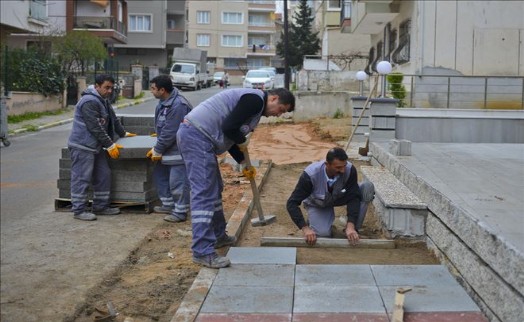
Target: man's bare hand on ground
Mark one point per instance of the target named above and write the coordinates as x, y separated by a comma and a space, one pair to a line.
309, 235
352, 234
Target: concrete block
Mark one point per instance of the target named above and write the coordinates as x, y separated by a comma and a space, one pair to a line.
262, 255
400, 147
140, 129
383, 106
137, 119
483, 283
136, 147
65, 153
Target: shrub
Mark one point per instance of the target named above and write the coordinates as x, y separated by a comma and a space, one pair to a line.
397, 89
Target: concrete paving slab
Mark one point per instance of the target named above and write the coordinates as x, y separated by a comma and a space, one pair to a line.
430, 298
343, 275
136, 147
243, 317
256, 275
333, 298
411, 275
341, 317
262, 255
248, 299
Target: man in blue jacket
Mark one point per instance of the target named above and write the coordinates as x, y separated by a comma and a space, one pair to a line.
217, 125
327, 184
94, 128
169, 173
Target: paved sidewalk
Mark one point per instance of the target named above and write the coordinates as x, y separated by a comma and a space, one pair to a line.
48, 121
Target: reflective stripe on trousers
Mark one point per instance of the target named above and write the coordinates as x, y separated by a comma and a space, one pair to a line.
207, 214
86, 168
172, 187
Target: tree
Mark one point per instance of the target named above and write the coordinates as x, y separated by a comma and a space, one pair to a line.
302, 40
77, 48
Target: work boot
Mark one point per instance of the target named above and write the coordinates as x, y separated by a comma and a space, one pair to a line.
86, 216
212, 261
163, 209
225, 241
109, 211
172, 218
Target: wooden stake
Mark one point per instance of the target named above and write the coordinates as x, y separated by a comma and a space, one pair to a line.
398, 310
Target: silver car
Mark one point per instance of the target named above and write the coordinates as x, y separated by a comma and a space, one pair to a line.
261, 79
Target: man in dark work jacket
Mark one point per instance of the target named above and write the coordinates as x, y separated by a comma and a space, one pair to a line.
324, 185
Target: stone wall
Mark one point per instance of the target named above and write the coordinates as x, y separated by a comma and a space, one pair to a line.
23, 102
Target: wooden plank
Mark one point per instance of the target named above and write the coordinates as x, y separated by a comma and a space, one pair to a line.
326, 243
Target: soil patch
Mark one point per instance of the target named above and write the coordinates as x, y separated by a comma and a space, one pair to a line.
153, 280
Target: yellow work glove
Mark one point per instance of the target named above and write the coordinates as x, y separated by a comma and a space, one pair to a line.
153, 135
129, 134
113, 150
249, 172
153, 155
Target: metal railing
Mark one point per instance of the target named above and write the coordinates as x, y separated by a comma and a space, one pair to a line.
100, 23
458, 91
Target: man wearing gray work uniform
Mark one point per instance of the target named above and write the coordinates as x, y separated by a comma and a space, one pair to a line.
217, 125
94, 127
169, 173
327, 184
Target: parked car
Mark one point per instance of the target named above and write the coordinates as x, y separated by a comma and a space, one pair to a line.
273, 69
256, 78
217, 77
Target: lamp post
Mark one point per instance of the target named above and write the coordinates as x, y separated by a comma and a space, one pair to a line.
384, 68
361, 77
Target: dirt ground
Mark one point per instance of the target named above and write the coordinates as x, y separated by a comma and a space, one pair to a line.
152, 282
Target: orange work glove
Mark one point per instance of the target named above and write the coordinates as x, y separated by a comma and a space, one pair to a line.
153, 155
113, 150
153, 135
249, 172
129, 134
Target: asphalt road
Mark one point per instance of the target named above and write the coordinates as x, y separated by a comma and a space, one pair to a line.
49, 260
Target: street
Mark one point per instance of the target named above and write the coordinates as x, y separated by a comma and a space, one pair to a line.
49, 261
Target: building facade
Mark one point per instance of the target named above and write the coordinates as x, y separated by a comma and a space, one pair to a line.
237, 35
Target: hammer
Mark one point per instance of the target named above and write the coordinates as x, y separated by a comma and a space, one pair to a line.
261, 220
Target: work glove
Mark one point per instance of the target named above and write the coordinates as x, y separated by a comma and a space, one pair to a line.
153, 155
153, 135
129, 134
113, 150
249, 172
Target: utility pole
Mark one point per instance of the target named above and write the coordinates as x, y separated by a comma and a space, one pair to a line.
286, 48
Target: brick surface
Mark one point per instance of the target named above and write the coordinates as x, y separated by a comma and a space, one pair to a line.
339, 317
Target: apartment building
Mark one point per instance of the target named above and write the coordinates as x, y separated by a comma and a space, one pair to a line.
447, 37
106, 19
155, 28
237, 35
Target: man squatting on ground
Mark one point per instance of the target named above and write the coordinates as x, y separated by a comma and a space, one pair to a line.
94, 127
217, 125
327, 184
169, 173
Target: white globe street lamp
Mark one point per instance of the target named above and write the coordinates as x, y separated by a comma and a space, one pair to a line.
361, 77
384, 68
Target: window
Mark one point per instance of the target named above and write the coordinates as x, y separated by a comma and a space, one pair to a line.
234, 63
334, 4
140, 23
232, 41
392, 42
232, 18
257, 40
203, 40
259, 20
203, 17
401, 54
171, 24
255, 63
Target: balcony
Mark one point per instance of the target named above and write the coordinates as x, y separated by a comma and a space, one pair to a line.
175, 37
107, 28
261, 6
370, 17
261, 51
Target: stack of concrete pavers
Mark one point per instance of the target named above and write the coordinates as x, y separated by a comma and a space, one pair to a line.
132, 173
266, 284
401, 212
474, 224
140, 124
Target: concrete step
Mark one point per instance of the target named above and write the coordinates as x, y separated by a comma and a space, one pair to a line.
401, 212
